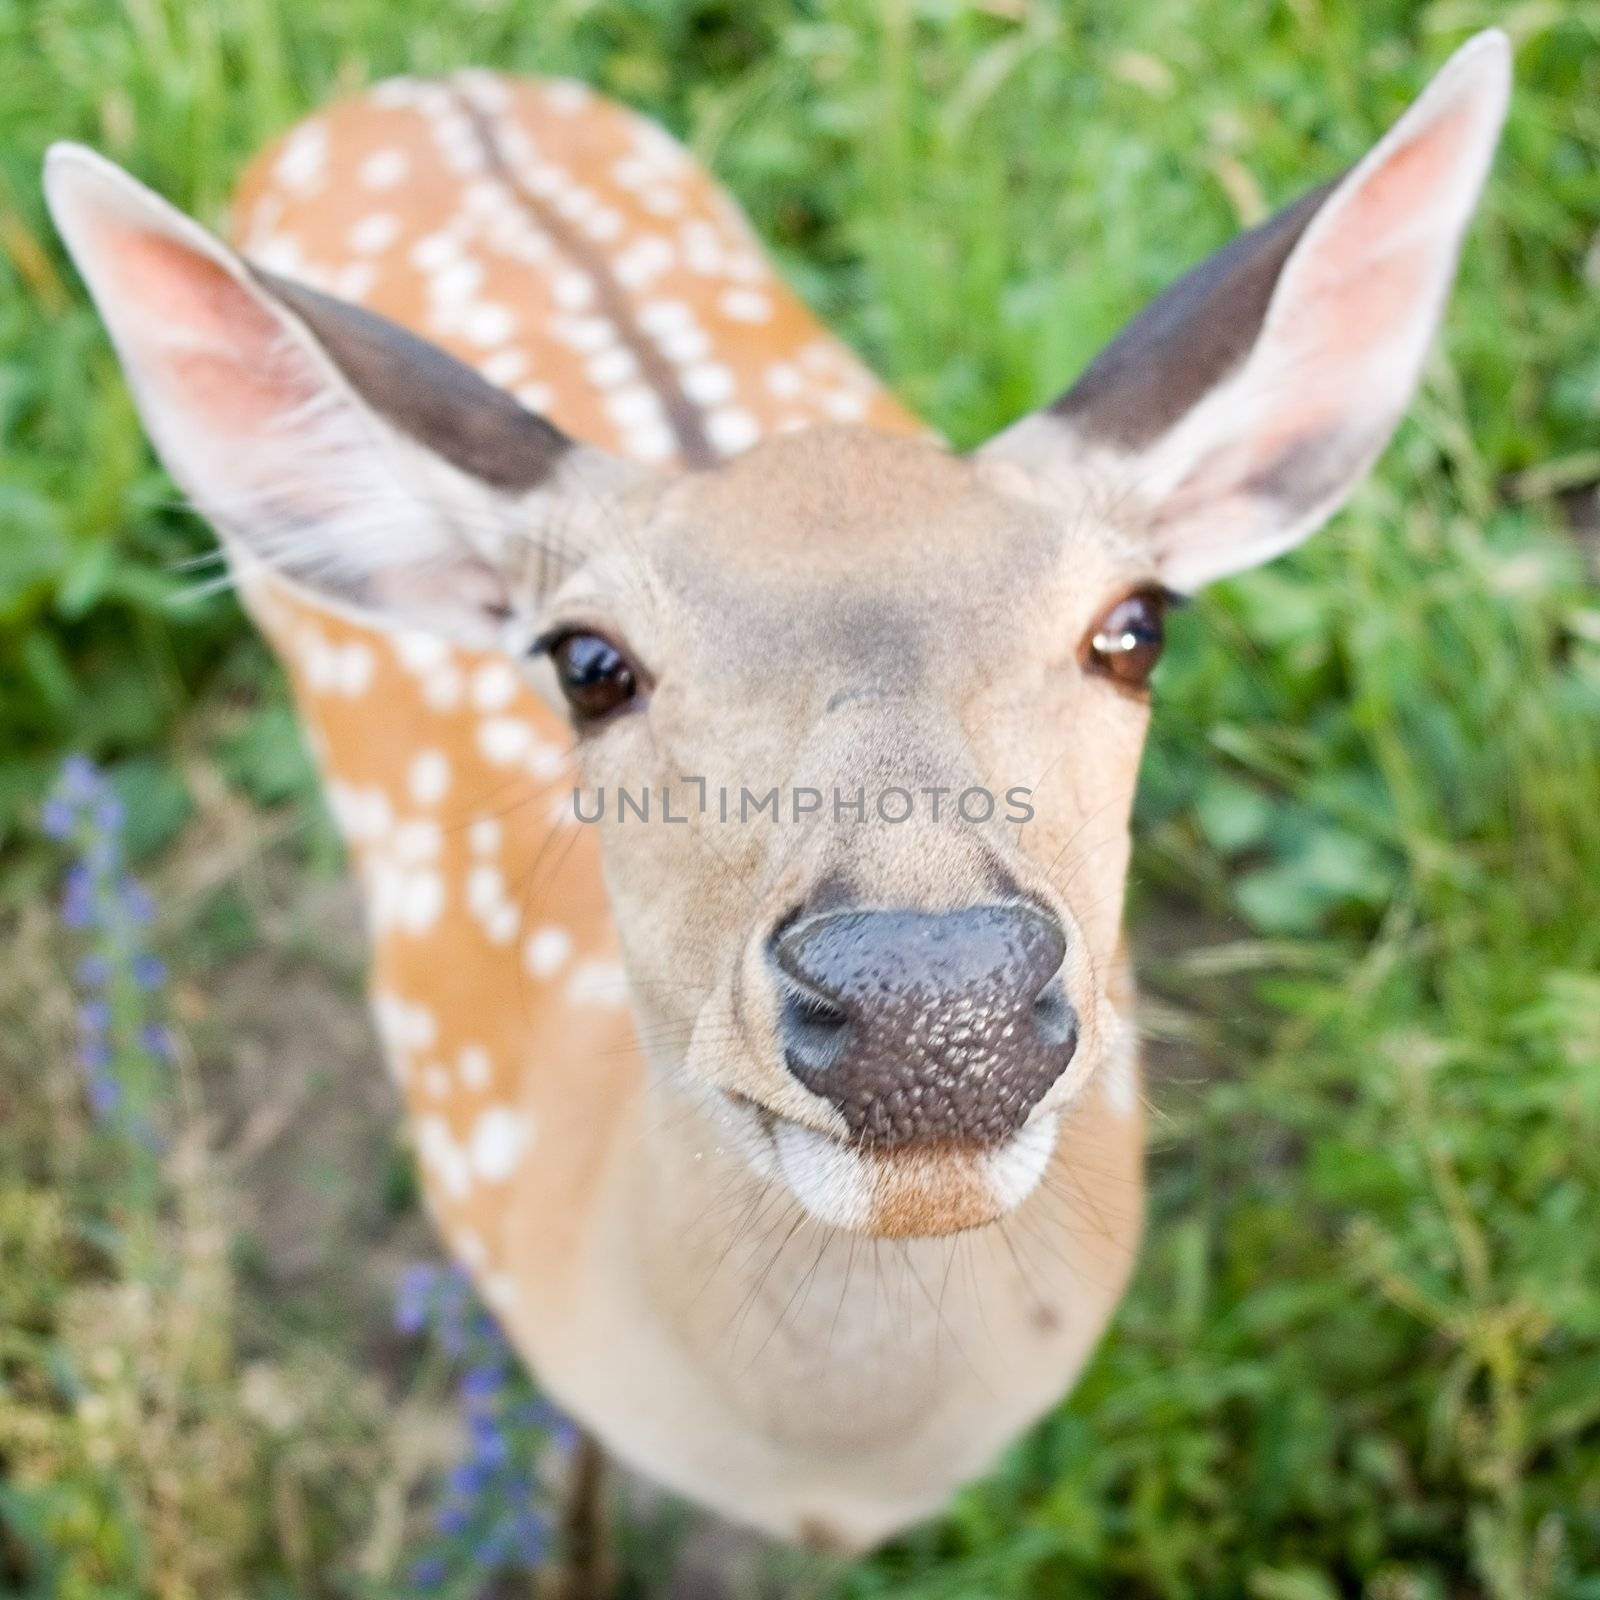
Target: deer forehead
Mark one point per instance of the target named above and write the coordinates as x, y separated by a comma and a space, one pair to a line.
838, 554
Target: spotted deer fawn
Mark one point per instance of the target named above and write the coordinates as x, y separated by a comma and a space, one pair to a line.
802, 1161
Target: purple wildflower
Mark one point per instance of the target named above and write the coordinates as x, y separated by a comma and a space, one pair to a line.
531, 1531
57, 818
483, 1385
105, 1096
80, 780
122, 1041
94, 1055
156, 1039
490, 1519
428, 1574
413, 1298
148, 972
489, 1444
469, 1479
94, 972
79, 908
451, 1519
137, 905
490, 1552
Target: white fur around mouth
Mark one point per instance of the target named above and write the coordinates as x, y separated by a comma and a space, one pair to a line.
839, 1185
1015, 1168
832, 1181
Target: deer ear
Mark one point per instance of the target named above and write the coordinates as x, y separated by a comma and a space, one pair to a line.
1238, 411
348, 455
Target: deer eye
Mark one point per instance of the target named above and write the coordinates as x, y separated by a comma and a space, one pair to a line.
595, 676
1126, 642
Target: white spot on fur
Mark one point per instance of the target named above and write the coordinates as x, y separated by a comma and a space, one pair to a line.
420, 652
746, 305
417, 841
573, 290
658, 317
429, 777
303, 163
504, 739
486, 90
455, 283
636, 404
442, 689
731, 429
604, 225
446, 1159
494, 686
488, 324
434, 252
685, 344
598, 983
420, 902
708, 382
612, 367
375, 233
406, 1028
383, 169
546, 951
474, 1066
653, 442
356, 281
486, 887
567, 95
498, 1139
364, 815
504, 367
282, 254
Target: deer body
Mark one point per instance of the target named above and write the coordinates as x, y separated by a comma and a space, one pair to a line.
726, 1347
803, 1163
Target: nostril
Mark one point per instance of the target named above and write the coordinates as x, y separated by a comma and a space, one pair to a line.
816, 1011
815, 1029
1054, 1018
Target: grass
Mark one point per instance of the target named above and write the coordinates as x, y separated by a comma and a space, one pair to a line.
1362, 1355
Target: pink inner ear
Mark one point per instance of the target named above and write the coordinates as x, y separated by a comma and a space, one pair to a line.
218, 355
1413, 177
1382, 237
1360, 304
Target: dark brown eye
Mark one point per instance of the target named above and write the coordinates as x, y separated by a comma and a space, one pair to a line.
595, 676
1125, 643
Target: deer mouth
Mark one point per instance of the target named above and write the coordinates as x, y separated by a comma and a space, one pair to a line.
902, 1192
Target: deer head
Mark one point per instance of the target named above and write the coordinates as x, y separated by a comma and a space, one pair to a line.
887, 702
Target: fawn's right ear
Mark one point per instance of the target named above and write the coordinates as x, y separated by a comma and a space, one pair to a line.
345, 453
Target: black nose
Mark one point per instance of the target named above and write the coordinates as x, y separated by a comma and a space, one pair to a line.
924, 1027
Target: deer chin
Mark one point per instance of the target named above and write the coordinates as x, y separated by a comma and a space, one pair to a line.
924, 1192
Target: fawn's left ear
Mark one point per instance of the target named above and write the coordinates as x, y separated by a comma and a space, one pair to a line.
1238, 411
344, 452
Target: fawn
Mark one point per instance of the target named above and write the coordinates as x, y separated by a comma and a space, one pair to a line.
803, 1161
